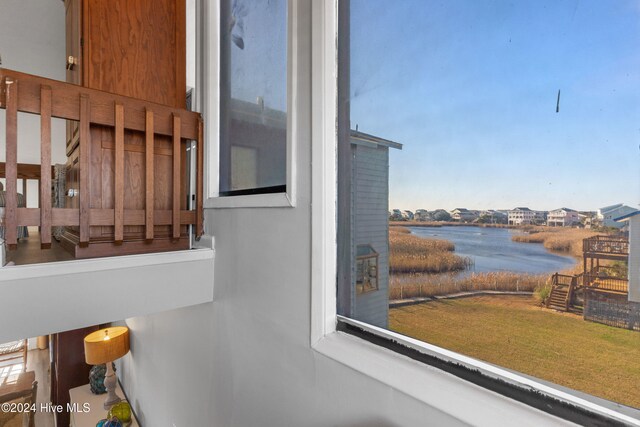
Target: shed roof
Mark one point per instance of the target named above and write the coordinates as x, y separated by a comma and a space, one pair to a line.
358, 137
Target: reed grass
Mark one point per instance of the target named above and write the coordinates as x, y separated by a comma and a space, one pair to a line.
557, 239
412, 254
403, 286
415, 264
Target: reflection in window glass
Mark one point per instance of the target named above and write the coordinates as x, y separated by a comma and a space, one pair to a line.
503, 226
253, 112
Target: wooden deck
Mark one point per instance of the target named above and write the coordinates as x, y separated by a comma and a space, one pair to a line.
595, 277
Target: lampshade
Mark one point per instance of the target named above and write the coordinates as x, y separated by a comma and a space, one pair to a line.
106, 345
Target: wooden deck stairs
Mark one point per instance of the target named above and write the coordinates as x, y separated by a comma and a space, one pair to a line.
558, 298
563, 288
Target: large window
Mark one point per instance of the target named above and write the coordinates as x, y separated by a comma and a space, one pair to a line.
486, 149
253, 96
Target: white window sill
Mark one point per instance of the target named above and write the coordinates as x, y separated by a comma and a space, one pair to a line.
61, 296
469, 402
274, 200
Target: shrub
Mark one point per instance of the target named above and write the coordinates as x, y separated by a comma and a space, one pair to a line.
542, 292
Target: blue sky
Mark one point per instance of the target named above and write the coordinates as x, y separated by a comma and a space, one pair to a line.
469, 87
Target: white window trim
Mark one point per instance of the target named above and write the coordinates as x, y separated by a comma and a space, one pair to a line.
211, 86
468, 402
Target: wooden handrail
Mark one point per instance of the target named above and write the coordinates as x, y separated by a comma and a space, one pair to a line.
20, 92
64, 105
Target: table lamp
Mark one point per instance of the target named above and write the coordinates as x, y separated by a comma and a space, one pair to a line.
105, 346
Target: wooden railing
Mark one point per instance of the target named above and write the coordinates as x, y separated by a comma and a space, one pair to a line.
561, 280
606, 245
606, 283
21, 92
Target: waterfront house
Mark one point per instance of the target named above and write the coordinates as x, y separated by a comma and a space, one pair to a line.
407, 215
526, 216
563, 217
395, 215
521, 216
422, 215
633, 220
492, 217
606, 216
608, 298
370, 175
463, 215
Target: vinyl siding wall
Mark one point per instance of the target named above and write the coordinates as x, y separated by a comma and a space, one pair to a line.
371, 205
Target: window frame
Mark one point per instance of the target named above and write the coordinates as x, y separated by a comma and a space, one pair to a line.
376, 352
211, 107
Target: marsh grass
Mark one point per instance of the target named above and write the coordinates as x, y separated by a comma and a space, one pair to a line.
412, 254
557, 239
429, 285
428, 267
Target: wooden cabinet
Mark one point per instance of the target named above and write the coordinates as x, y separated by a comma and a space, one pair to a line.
68, 367
134, 48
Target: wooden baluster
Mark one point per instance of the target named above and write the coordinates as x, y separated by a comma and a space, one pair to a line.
119, 176
85, 163
11, 168
199, 179
176, 176
45, 167
149, 205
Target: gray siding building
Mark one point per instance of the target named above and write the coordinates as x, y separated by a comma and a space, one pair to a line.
370, 187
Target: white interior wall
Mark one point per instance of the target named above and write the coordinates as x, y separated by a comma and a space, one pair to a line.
191, 43
32, 40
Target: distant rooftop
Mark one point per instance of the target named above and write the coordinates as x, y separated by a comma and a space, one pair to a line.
627, 216
565, 209
610, 208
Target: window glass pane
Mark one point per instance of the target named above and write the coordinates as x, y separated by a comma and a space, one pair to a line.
489, 172
253, 127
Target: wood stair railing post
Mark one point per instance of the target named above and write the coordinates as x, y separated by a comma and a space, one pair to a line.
572, 286
45, 167
176, 178
85, 164
554, 281
118, 211
149, 152
11, 193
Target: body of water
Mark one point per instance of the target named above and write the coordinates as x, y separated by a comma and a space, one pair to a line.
492, 249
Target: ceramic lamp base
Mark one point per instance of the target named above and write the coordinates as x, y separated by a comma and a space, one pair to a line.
110, 384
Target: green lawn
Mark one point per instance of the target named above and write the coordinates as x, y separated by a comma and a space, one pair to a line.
513, 332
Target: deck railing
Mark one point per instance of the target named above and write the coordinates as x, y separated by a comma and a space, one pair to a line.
606, 245
606, 283
561, 280
21, 92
